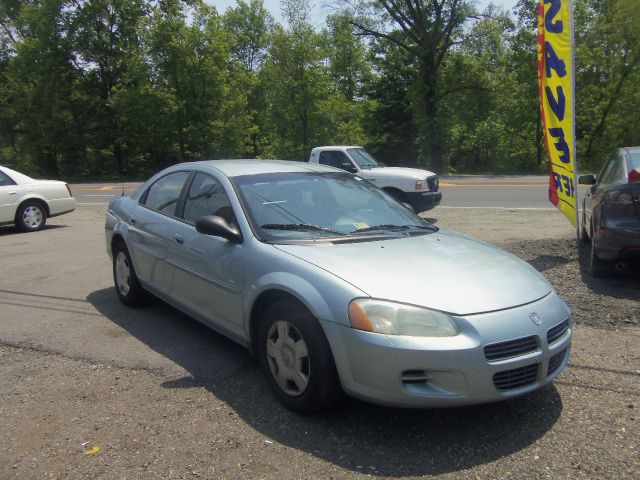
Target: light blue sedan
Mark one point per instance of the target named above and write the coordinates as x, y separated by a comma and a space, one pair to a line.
336, 287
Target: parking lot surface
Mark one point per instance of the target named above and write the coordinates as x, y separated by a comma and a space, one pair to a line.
91, 389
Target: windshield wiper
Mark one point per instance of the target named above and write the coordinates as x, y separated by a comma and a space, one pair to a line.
394, 228
299, 227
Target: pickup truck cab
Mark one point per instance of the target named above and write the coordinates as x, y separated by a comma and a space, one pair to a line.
418, 188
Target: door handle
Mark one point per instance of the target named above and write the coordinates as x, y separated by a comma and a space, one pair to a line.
12, 193
132, 219
178, 238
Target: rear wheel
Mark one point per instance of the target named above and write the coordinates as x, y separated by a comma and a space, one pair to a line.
31, 216
584, 236
297, 359
128, 287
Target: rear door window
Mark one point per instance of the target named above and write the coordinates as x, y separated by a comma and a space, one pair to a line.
164, 195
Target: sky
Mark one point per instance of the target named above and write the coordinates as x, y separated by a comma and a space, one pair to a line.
323, 7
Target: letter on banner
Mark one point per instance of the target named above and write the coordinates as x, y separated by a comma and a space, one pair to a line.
556, 86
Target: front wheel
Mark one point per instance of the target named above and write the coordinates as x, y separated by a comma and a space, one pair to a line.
297, 359
31, 216
597, 267
128, 287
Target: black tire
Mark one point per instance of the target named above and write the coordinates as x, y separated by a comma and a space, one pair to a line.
584, 236
322, 388
31, 216
597, 266
398, 195
125, 280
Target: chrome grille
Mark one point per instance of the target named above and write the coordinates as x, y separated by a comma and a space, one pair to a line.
511, 348
557, 332
555, 362
516, 378
434, 183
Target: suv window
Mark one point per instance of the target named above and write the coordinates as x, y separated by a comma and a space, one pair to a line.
336, 159
5, 180
207, 196
164, 195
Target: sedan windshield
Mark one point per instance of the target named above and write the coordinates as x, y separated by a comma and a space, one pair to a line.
323, 205
362, 158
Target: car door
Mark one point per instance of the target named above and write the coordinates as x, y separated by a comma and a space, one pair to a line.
149, 228
8, 198
595, 198
205, 272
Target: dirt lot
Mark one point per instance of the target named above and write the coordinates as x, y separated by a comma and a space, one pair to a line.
163, 397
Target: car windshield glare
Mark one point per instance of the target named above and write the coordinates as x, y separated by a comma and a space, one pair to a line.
362, 158
316, 205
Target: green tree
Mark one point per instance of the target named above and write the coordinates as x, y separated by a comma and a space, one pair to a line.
426, 30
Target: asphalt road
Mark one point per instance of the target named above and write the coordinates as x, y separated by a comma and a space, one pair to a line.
460, 191
164, 397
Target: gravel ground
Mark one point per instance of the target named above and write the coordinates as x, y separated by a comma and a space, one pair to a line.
177, 418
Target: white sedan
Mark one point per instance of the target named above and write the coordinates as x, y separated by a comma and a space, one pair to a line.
28, 203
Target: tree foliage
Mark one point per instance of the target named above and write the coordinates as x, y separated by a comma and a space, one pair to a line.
115, 88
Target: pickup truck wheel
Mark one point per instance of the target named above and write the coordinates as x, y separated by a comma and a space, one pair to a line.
297, 359
397, 194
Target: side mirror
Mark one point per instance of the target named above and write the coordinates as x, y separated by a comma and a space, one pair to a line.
586, 179
349, 167
218, 227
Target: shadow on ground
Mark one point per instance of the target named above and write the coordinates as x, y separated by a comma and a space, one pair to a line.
11, 230
354, 435
616, 283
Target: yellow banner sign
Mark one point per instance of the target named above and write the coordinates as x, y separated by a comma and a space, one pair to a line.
556, 82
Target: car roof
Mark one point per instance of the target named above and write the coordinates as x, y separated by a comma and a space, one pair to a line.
16, 176
336, 146
632, 149
236, 168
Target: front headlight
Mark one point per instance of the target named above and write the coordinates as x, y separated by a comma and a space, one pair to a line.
391, 318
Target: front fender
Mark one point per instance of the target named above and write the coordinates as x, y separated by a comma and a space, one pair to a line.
297, 287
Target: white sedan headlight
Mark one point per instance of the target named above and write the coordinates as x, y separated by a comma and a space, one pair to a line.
391, 318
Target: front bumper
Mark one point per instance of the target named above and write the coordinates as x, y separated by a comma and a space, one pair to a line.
448, 371
423, 201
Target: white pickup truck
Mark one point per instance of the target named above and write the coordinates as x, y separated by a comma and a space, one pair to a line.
418, 188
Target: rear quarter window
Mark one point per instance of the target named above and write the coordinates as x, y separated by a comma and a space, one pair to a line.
5, 180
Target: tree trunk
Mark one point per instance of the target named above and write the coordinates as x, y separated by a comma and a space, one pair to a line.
431, 144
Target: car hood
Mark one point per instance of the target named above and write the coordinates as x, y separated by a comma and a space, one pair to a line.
444, 271
395, 172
